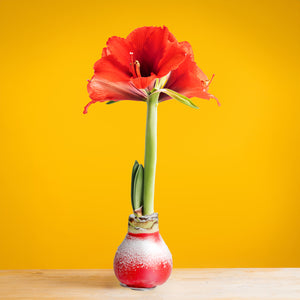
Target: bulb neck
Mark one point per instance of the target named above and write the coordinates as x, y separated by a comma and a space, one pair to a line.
143, 224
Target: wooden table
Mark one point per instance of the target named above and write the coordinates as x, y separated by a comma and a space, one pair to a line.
192, 284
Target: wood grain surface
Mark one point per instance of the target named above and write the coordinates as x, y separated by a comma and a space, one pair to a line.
192, 284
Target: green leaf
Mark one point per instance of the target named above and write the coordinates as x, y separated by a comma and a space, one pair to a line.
134, 169
111, 102
138, 187
181, 98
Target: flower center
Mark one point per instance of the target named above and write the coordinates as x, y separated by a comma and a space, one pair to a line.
135, 67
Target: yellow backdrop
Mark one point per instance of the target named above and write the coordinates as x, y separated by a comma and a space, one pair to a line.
227, 185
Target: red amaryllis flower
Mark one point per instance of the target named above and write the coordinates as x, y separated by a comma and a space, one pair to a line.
149, 60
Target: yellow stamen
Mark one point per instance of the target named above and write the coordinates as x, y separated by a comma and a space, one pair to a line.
138, 68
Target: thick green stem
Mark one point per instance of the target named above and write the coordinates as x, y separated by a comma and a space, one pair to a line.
150, 154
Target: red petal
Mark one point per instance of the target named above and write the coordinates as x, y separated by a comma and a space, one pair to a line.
143, 38
143, 82
189, 80
102, 90
120, 49
171, 37
110, 69
188, 49
174, 56
186, 76
105, 52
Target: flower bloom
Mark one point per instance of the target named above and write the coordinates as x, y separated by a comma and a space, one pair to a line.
129, 67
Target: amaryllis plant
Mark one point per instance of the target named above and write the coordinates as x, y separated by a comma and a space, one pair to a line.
150, 65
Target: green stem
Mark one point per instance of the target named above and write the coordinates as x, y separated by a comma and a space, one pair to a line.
150, 154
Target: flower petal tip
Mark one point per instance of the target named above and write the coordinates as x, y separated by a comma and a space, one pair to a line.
85, 110
219, 104
213, 97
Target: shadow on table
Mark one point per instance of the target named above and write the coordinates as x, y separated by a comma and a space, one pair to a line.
82, 280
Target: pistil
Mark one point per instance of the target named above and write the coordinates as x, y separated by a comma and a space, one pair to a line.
132, 65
